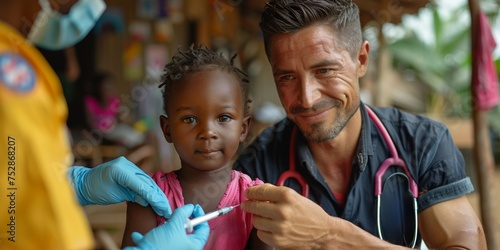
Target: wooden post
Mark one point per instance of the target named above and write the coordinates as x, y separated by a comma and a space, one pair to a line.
483, 158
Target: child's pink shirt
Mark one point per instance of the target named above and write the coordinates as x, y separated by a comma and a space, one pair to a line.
230, 231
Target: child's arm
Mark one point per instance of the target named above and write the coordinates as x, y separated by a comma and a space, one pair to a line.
139, 219
255, 243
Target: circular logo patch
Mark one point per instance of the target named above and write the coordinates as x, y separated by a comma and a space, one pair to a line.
16, 73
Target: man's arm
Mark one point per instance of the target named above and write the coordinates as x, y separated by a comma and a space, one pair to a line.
285, 219
451, 224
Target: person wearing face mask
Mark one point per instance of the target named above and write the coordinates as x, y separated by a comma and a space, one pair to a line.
38, 207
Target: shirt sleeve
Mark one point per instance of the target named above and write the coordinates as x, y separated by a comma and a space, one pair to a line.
444, 178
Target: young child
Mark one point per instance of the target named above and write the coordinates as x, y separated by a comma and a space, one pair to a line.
207, 117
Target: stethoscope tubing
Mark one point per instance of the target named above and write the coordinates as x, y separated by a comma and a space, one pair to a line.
292, 172
415, 212
394, 160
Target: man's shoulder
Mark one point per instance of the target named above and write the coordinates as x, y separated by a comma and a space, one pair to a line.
411, 128
400, 118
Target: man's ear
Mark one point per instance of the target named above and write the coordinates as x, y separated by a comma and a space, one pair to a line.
165, 127
363, 58
245, 127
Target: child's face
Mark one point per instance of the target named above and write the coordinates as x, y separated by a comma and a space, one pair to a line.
206, 119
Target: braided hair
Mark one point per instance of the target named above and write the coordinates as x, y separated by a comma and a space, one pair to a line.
196, 59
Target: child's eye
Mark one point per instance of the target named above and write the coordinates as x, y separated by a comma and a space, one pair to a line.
224, 118
188, 120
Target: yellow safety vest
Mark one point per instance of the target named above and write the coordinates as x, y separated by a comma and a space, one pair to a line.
38, 209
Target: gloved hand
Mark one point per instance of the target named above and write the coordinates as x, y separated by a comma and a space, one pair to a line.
117, 181
172, 234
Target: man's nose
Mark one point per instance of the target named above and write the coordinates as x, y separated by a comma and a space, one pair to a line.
309, 92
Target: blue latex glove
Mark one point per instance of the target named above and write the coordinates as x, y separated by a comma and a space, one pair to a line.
117, 181
172, 234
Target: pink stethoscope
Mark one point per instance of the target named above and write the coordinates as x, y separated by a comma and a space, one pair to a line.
394, 160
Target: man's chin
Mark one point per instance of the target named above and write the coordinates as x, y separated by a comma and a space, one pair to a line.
316, 134
318, 138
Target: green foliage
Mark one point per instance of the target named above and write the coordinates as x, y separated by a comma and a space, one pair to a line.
443, 64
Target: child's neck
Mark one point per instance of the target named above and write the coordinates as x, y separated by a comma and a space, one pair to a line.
205, 188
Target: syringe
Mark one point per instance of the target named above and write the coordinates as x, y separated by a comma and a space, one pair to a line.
190, 224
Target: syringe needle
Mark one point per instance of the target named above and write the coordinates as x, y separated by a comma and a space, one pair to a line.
190, 224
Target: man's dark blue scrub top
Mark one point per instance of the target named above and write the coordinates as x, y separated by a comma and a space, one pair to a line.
424, 145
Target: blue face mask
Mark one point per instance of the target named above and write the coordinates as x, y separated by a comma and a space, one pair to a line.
54, 31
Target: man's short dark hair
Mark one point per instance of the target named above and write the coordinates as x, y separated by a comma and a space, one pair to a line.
287, 16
